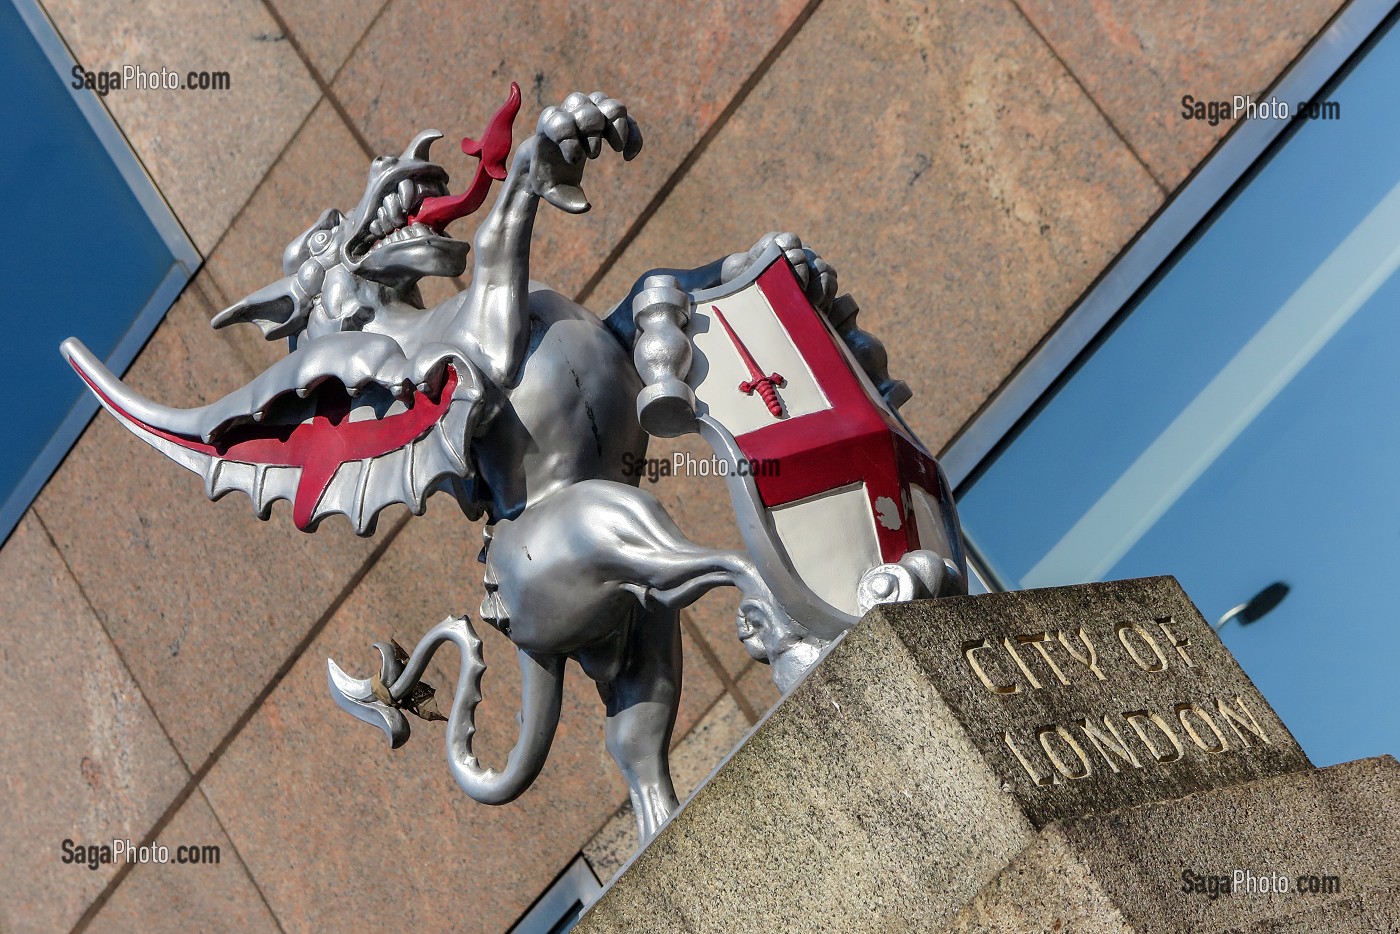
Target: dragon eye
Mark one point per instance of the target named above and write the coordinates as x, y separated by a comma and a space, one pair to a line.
319, 239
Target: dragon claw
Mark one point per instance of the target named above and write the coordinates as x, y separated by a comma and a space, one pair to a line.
569, 135
357, 697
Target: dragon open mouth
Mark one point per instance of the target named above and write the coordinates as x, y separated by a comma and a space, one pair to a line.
413, 202
395, 215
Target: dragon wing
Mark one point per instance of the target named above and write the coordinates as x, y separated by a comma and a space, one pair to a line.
346, 424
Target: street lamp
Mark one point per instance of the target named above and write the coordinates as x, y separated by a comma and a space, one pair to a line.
1253, 609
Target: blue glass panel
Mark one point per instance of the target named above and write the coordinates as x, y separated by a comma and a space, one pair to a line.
83, 256
1240, 427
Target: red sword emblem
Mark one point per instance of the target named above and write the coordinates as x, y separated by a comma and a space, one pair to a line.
765, 386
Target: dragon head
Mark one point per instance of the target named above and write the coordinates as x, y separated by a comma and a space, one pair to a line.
345, 268
371, 407
384, 239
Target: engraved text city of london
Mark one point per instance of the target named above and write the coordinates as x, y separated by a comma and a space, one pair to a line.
1115, 740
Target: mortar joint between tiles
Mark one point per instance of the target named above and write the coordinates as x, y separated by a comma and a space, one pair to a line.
324, 87
1084, 89
320, 79
701, 146
272, 166
101, 899
198, 776
247, 870
102, 624
712, 659
369, 27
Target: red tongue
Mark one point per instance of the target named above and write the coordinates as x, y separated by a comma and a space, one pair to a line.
494, 146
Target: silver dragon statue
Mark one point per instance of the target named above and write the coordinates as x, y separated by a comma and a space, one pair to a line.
532, 411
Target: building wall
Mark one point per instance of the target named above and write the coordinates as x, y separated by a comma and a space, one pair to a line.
969, 168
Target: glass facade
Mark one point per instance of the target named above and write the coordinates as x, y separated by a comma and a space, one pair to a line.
94, 252
1237, 426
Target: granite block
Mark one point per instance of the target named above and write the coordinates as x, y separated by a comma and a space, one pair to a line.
205, 149
826, 830
197, 895
1074, 900
944, 162
1138, 60
304, 779
328, 29
1096, 696
436, 63
85, 759
204, 601
914, 763
692, 759
1252, 857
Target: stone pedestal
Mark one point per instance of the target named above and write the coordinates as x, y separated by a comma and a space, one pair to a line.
1306, 852
935, 745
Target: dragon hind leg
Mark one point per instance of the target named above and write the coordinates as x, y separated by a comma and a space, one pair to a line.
367, 699
641, 703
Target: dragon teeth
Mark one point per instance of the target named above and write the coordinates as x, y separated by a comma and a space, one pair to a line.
411, 232
392, 214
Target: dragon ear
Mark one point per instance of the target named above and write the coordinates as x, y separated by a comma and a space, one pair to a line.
280, 309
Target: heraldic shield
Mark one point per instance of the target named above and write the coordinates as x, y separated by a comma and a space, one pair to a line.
838, 501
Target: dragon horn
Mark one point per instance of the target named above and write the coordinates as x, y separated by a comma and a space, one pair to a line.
419, 146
